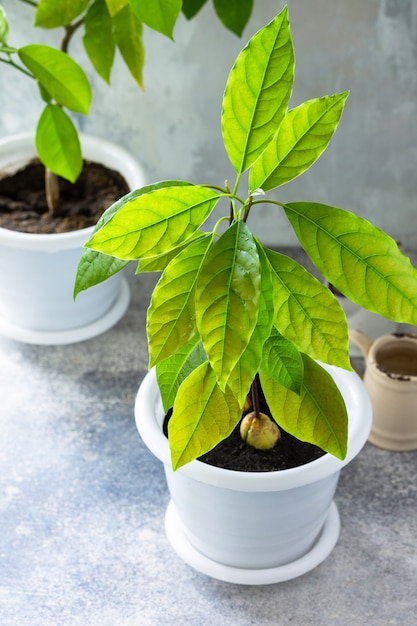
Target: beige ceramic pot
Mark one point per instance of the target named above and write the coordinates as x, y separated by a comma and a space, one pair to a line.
391, 380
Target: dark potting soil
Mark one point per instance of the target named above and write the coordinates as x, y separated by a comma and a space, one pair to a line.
234, 454
23, 205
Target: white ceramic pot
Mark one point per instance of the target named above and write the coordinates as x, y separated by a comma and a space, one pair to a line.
37, 272
253, 527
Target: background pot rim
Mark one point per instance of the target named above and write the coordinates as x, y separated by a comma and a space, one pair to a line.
149, 416
22, 147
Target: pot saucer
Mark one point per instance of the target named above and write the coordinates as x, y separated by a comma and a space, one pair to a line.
74, 335
321, 549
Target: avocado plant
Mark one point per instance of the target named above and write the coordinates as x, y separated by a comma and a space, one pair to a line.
107, 25
228, 310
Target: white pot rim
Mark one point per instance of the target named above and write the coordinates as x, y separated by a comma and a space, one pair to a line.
94, 148
149, 415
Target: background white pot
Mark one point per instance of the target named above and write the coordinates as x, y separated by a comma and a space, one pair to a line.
253, 527
37, 271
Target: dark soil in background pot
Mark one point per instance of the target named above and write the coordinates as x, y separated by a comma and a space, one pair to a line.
23, 205
234, 454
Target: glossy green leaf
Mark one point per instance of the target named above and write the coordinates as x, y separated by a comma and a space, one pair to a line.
95, 267
307, 313
114, 6
98, 39
234, 14
316, 415
173, 371
57, 143
4, 27
243, 374
160, 262
159, 15
155, 222
302, 137
61, 76
190, 8
128, 37
257, 92
282, 362
203, 415
53, 13
227, 298
171, 316
358, 258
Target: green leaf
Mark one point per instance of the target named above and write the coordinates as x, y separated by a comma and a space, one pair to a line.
4, 26
57, 143
234, 13
114, 6
257, 92
160, 262
317, 415
173, 371
303, 135
282, 362
95, 267
128, 38
159, 15
203, 416
190, 8
359, 259
243, 374
307, 313
98, 39
171, 315
60, 75
227, 298
155, 222
52, 14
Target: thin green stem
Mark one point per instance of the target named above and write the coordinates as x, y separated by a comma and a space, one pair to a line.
17, 67
69, 32
31, 2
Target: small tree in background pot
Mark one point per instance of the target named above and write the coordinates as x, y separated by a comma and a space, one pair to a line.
228, 311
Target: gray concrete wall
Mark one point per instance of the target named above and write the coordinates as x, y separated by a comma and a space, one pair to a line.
369, 47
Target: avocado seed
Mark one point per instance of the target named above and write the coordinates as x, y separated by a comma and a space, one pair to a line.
259, 432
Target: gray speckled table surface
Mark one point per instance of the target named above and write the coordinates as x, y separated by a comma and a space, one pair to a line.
82, 538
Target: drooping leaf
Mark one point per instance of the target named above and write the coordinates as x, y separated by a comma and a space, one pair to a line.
4, 27
359, 259
52, 14
257, 92
160, 262
160, 15
155, 222
227, 298
57, 143
173, 371
61, 76
203, 415
98, 39
114, 6
307, 313
128, 38
243, 374
95, 267
317, 415
282, 362
171, 316
234, 13
192, 7
303, 135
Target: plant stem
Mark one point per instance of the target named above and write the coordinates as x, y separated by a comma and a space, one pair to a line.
16, 66
69, 32
31, 2
255, 398
52, 191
